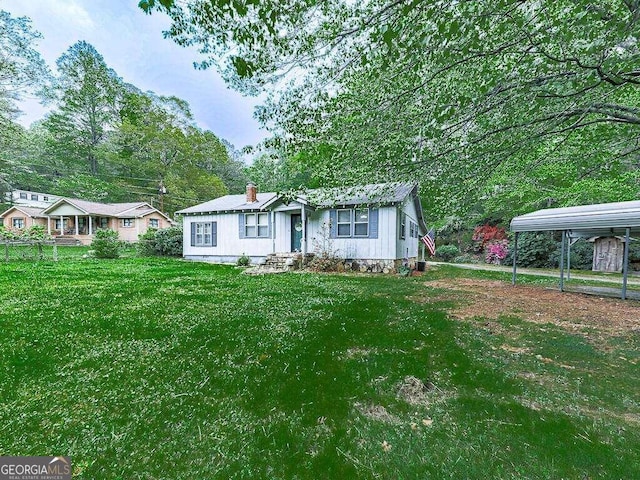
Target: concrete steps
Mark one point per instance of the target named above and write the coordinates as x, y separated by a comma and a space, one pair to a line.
67, 240
278, 263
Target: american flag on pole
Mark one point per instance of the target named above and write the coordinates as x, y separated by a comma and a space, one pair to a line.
430, 241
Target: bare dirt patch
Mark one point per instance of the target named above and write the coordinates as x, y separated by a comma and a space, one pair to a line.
414, 391
575, 312
376, 412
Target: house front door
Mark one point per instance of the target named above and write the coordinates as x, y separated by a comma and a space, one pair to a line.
296, 233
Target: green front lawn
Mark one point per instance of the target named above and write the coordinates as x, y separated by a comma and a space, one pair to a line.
154, 368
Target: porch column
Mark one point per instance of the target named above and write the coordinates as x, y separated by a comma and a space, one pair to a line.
90, 226
48, 225
77, 227
61, 225
138, 227
304, 231
273, 232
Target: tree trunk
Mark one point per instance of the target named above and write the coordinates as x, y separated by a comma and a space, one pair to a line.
93, 164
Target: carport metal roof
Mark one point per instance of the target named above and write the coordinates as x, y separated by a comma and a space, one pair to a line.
599, 220
602, 219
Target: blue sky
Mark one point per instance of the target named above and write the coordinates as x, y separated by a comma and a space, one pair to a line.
132, 44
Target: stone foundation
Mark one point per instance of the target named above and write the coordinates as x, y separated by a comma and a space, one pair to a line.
376, 265
293, 261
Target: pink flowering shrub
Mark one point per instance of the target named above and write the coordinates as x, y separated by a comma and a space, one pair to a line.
496, 251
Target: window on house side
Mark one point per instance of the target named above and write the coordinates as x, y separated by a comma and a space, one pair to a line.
413, 229
23, 196
256, 225
344, 223
263, 224
203, 237
127, 222
403, 226
154, 223
361, 222
18, 222
34, 197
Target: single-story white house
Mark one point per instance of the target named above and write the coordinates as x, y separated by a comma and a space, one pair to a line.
373, 224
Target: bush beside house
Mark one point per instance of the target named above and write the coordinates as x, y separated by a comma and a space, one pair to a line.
163, 242
106, 243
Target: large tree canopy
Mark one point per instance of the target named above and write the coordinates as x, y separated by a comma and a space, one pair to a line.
87, 92
158, 143
22, 69
475, 99
104, 140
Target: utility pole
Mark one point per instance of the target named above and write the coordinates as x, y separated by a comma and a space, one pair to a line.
162, 191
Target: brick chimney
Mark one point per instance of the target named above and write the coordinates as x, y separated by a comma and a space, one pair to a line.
252, 195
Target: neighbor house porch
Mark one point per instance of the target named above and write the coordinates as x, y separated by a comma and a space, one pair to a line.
81, 227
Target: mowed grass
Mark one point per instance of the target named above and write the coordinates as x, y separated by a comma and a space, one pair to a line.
163, 369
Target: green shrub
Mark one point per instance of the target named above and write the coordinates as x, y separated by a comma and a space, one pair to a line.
447, 252
169, 241
106, 244
146, 245
581, 255
542, 250
534, 250
243, 261
404, 270
164, 242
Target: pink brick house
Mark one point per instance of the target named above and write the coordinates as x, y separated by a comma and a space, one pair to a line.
79, 219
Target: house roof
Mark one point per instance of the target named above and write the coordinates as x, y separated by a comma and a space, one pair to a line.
604, 219
380, 193
120, 210
231, 203
95, 208
33, 212
377, 193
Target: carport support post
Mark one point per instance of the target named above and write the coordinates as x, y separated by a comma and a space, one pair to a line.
515, 257
625, 265
562, 248
569, 260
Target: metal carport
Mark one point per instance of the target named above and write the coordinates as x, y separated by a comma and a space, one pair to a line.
585, 221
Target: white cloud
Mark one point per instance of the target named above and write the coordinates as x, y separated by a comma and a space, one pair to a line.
72, 13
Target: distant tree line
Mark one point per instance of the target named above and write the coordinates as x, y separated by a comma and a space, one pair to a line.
104, 139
